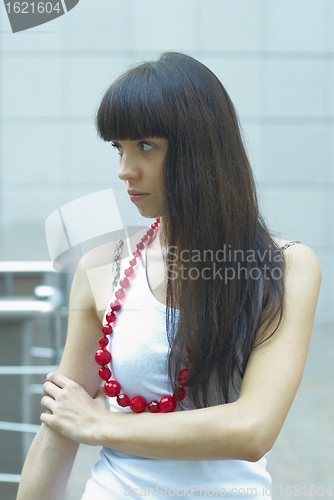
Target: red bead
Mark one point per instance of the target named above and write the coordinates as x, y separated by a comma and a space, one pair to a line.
153, 406
115, 305
155, 225
110, 317
183, 377
137, 404
112, 388
140, 245
150, 232
123, 400
129, 272
133, 262
103, 341
182, 393
106, 329
144, 238
125, 282
157, 220
105, 373
102, 357
167, 404
120, 294
136, 254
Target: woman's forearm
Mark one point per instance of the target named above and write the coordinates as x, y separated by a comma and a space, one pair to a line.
230, 431
47, 466
215, 433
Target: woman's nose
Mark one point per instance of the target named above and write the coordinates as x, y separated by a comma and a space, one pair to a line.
128, 167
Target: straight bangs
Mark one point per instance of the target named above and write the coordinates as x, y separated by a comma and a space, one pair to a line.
134, 107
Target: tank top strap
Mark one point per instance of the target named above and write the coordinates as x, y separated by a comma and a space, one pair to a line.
289, 244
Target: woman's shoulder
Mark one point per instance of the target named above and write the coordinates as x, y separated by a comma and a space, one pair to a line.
92, 282
98, 272
290, 247
300, 260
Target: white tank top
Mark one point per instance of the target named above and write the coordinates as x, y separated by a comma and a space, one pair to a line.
139, 349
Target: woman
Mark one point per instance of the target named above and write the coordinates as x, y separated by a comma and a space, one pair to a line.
230, 346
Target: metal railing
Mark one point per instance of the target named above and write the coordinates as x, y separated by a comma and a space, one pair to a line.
46, 301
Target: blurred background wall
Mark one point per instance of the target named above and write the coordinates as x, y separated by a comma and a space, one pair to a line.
276, 59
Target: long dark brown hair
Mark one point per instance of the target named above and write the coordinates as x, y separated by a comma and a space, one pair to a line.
224, 269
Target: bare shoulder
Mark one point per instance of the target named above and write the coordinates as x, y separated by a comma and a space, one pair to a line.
302, 278
299, 258
301, 261
302, 285
81, 292
92, 281
94, 278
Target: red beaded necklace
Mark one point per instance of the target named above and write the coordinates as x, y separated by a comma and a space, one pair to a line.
103, 357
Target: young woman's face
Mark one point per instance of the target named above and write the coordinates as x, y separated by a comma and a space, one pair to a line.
141, 164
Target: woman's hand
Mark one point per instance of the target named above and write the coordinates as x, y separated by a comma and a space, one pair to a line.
70, 409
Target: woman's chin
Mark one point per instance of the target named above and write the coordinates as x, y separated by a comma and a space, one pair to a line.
148, 214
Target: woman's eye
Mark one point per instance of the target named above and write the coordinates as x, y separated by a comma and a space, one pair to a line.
117, 147
145, 146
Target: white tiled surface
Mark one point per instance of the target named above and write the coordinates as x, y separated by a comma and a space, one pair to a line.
32, 154
329, 84
98, 25
330, 158
89, 159
329, 219
294, 88
295, 154
32, 87
228, 25
326, 297
295, 29
295, 215
276, 58
164, 26
29, 202
89, 78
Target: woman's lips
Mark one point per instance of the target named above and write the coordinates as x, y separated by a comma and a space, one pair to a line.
136, 196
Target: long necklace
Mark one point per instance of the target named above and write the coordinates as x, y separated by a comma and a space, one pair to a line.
103, 356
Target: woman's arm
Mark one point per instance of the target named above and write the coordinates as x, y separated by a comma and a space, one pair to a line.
51, 455
245, 429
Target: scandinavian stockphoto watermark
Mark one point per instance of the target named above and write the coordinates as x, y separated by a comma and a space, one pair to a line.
225, 264
25, 15
196, 490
